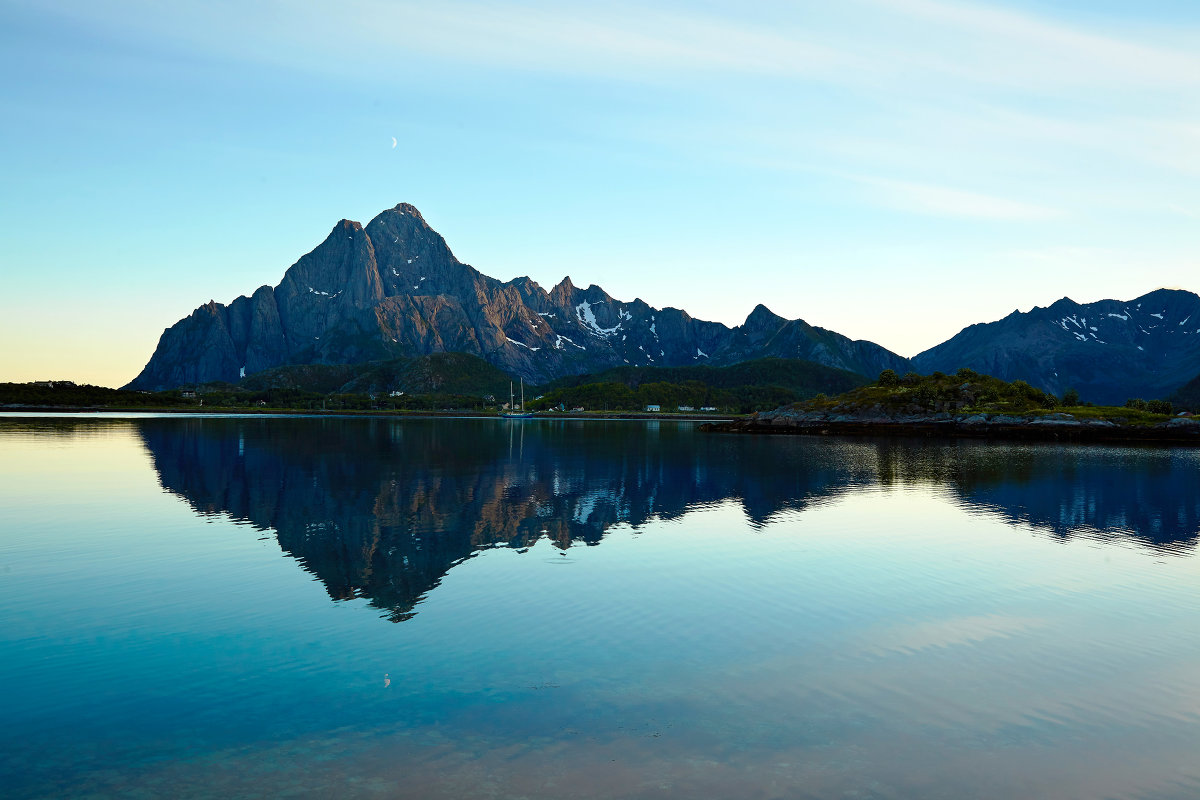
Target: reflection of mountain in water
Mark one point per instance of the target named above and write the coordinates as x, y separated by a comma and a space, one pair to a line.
383, 509
1149, 494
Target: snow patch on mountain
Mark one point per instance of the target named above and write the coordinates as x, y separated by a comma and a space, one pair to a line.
587, 318
521, 344
558, 343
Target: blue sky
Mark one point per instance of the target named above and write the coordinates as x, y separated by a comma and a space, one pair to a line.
891, 169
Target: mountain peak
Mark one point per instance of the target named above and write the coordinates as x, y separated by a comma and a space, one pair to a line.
1060, 305
761, 315
408, 209
400, 217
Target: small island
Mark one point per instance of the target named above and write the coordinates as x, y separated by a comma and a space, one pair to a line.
970, 404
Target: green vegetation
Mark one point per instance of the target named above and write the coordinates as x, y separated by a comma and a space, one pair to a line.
969, 392
750, 386
68, 393
1153, 406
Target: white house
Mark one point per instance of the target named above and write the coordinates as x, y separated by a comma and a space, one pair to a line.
654, 408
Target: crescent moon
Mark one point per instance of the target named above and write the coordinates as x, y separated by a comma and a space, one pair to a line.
393, 142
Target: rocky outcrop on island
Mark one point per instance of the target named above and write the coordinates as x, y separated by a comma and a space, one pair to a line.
394, 289
965, 404
1108, 351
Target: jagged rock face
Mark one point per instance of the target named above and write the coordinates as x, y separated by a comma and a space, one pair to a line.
395, 289
1109, 350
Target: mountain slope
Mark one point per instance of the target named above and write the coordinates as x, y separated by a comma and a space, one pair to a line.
1188, 395
444, 373
394, 289
1108, 350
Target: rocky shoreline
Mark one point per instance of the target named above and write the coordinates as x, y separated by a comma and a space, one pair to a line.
1040, 427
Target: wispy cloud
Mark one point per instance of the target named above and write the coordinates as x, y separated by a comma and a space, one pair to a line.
944, 201
613, 39
993, 44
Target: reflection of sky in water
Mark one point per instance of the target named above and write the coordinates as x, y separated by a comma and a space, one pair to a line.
871, 626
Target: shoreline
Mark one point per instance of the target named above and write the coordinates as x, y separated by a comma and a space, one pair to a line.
16, 410
1051, 427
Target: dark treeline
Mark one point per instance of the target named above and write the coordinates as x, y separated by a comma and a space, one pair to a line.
65, 394
68, 393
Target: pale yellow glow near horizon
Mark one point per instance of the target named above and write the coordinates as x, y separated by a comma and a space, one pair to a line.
83, 363
102, 351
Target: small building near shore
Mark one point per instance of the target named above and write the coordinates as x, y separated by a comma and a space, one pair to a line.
654, 407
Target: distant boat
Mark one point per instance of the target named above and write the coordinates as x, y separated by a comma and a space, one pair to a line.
511, 413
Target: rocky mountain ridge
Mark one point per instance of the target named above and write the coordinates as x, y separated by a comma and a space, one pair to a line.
394, 288
1108, 351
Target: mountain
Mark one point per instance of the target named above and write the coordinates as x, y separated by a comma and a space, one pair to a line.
1108, 350
394, 289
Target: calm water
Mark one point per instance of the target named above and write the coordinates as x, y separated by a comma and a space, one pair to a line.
214, 607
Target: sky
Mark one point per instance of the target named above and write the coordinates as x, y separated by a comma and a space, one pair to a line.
893, 170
